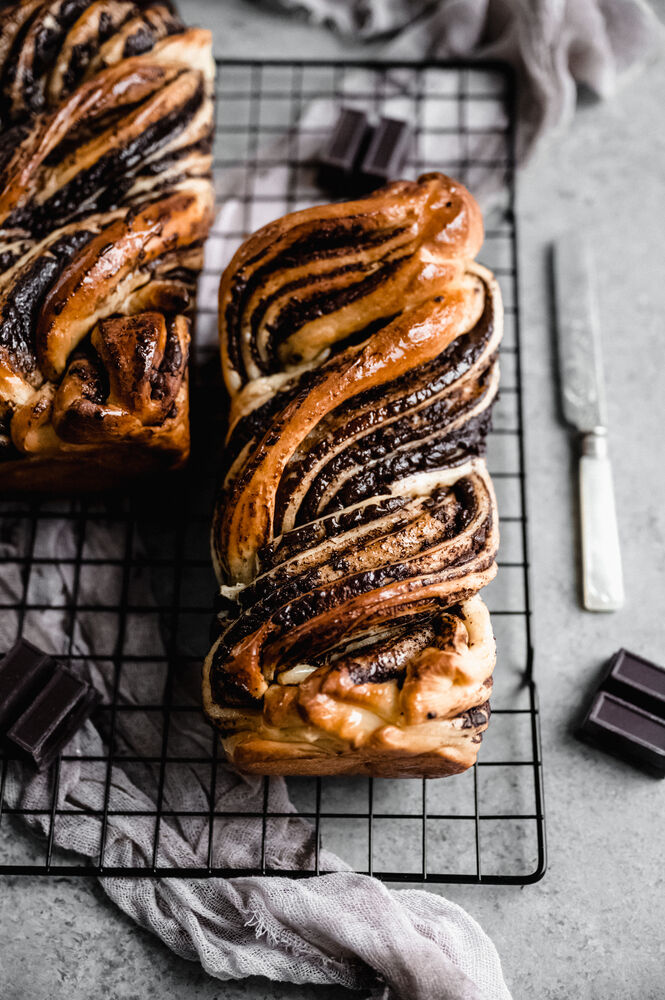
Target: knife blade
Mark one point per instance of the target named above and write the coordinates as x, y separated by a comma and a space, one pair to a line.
580, 357
585, 409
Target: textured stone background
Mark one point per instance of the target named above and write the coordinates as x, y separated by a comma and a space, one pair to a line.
594, 927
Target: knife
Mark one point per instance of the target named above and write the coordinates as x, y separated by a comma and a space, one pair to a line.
584, 408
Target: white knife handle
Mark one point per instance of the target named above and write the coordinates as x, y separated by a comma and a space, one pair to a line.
601, 555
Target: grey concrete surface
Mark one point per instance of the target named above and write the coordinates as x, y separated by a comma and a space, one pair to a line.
594, 927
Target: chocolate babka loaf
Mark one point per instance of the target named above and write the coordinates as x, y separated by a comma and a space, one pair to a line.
356, 520
105, 200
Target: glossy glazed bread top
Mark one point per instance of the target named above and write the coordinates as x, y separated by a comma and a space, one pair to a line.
356, 519
105, 200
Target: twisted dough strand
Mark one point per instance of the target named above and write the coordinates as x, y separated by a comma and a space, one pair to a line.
105, 201
356, 520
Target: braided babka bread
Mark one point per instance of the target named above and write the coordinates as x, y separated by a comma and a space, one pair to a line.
105, 201
356, 520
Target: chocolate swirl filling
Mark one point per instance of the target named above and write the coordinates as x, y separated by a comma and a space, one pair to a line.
356, 519
105, 201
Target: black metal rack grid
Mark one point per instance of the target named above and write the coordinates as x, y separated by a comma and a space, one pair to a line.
486, 825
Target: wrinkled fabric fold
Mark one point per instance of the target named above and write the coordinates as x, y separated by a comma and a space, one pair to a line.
553, 45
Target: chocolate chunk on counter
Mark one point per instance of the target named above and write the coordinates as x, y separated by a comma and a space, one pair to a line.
637, 681
23, 672
626, 731
386, 154
338, 162
60, 708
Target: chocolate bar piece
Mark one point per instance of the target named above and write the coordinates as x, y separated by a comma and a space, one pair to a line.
637, 681
626, 731
339, 160
60, 708
386, 154
23, 672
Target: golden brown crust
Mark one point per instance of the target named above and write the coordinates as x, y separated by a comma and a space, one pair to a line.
420, 233
426, 720
127, 398
91, 469
356, 519
105, 201
111, 267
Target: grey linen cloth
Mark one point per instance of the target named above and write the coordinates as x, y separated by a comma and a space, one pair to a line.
341, 928
553, 45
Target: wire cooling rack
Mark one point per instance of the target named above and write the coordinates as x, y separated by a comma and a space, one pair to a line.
486, 825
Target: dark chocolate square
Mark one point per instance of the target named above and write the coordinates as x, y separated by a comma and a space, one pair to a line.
23, 672
340, 158
51, 720
386, 154
637, 681
626, 731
